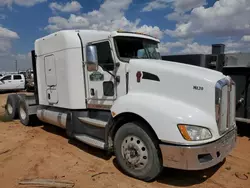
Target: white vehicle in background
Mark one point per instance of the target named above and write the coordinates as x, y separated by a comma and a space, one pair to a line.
12, 82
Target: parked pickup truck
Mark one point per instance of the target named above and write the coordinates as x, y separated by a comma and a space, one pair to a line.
12, 82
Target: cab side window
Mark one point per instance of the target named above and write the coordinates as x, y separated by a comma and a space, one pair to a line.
17, 77
6, 78
105, 59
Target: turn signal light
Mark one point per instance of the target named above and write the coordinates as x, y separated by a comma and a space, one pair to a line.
184, 132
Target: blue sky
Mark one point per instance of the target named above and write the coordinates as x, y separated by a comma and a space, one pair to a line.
183, 26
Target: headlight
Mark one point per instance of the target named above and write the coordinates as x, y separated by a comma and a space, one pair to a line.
194, 133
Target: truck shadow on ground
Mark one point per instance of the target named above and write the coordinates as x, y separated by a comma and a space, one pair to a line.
243, 130
182, 178
53, 130
80, 145
91, 150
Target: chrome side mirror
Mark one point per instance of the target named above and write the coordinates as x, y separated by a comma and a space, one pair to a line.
92, 59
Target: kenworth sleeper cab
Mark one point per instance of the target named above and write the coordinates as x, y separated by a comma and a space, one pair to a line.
111, 90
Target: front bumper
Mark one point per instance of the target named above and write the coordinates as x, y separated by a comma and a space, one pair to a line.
198, 157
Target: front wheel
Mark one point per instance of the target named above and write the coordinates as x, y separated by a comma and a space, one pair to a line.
136, 152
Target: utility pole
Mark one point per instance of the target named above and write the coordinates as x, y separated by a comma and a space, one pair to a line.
16, 65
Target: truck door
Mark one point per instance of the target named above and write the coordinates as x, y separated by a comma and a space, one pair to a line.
101, 87
6, 83
51, 80
18, 82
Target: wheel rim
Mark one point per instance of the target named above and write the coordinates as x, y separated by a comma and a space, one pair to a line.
10, 109
23, 113
134, 152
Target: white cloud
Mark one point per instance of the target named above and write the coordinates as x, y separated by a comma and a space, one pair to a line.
246, 38
5, 46
72, 6
186, 5
187, 46
166, 48
177, 5
57, 22
180, 8
151, 30
110, 16
224, 18
177, 16
6, 37
242, 45
156, 4
196, 48
7, 34
22, 56
26, 3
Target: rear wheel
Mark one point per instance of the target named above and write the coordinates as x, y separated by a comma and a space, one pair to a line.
136, 152
11, 106
23, 113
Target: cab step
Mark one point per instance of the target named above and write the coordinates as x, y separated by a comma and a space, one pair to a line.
90, 140
93, 122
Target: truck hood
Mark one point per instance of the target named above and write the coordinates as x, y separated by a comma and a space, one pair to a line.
189, 84
177, 68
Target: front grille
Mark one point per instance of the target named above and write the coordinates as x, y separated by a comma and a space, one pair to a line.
224, 109
225, 100
232, 104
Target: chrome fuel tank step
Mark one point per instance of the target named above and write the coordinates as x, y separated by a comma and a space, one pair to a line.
90, 140
93, 122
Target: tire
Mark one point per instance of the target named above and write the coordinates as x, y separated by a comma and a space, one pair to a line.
11, 106
21, 96
142, 142
23, 113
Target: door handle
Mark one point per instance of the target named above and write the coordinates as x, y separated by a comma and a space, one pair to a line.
92, 91
118, 79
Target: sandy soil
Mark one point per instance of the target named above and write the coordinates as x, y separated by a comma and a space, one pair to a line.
45, 152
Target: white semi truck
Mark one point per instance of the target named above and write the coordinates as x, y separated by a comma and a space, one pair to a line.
111, 90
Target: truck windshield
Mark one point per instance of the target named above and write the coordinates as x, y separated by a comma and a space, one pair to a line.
136, 48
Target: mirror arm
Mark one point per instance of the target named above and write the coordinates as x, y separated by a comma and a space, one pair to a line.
117, 78
107, 71
111, 73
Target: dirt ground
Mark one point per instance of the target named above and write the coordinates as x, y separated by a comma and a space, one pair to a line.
45, 152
